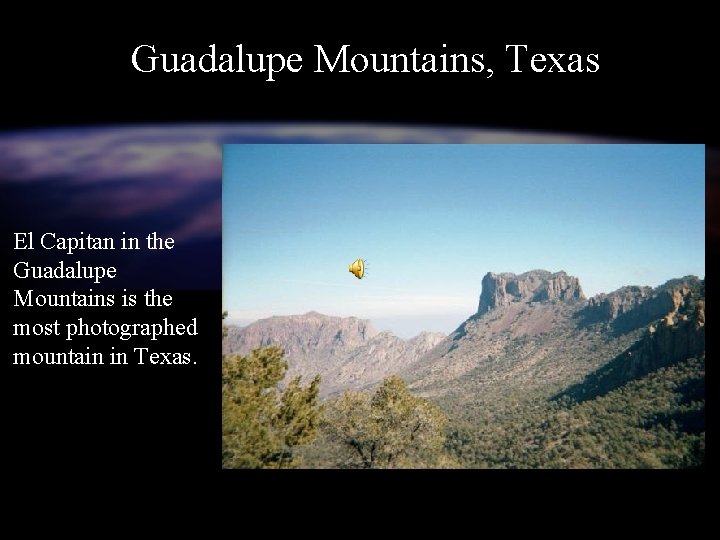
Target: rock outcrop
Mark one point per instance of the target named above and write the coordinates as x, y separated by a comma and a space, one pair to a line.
629, 308
669, 341
606, 307
672, 337
534, 286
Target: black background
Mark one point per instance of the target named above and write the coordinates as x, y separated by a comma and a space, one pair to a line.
651, 82
160, 428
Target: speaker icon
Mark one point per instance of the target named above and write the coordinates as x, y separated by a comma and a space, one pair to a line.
357, 269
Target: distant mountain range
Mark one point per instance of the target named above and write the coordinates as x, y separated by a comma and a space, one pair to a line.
345, 352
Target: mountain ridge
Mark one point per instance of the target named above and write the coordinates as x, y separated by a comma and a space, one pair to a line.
534, 329
347, 352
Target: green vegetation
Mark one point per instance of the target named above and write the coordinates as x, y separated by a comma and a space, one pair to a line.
653, 422
261, 425
512, 408
656, 421
389, 429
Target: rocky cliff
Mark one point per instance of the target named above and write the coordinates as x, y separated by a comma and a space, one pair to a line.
534, 286
674, 336
671, 339
629, 308
607, 307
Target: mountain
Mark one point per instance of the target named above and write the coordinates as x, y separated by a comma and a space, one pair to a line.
524, 335
535, 331
302, 335
539, 376
345, 352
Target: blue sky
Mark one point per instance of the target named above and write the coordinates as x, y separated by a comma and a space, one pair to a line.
431, 220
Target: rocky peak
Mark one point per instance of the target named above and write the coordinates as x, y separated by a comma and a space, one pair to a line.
534, 286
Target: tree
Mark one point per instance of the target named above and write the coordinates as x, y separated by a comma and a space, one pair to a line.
262, 425
390, 429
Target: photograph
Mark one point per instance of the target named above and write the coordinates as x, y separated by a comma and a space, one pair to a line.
463, 306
